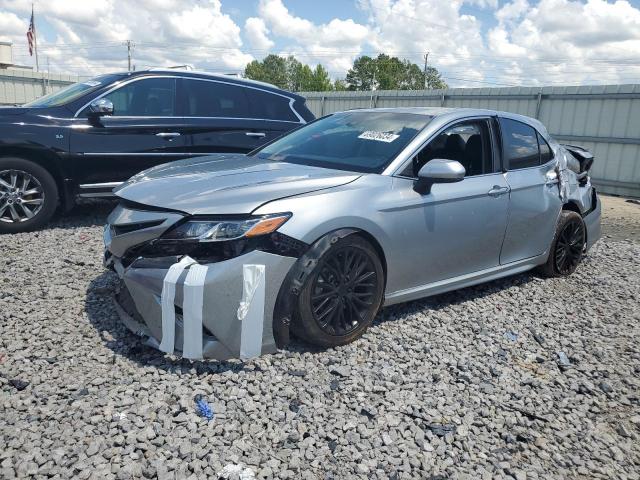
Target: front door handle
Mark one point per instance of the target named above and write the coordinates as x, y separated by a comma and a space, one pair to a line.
497, 190
168, 134
256, 134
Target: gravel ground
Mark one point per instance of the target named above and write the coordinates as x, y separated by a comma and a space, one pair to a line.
519, 378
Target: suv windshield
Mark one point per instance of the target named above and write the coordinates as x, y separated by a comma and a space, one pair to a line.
72, 92
356, 141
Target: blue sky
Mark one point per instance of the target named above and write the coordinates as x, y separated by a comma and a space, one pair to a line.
472, 42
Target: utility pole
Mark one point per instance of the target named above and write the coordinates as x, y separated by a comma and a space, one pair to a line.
130, 46
426, 80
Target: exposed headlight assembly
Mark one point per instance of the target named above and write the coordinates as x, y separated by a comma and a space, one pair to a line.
227, 229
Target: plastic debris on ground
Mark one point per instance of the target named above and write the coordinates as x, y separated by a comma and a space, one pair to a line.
511, 336
236, 472
563, 360
202, 407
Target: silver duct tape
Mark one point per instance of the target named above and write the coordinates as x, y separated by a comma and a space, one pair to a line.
192, 311
251, 311
168, 303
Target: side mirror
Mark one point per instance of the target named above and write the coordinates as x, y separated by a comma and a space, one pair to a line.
438, 171
101, 107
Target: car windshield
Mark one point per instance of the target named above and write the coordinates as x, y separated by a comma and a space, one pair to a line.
72, 92
364, 142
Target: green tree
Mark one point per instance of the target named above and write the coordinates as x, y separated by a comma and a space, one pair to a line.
340, 85
390, 73
289, 74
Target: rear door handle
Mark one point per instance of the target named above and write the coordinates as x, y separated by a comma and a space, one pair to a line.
256, 134
168, 134
497, 190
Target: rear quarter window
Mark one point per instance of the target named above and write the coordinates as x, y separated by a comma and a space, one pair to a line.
520, 143
215, 99
270, 106
546, 154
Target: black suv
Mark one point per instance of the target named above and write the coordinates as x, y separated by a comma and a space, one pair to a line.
87, 138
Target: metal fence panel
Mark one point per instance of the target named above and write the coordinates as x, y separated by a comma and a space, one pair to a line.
22, 86
604, 118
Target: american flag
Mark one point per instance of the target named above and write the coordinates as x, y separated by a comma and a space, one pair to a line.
31, 34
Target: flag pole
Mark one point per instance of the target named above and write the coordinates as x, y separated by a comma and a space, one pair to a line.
35, 37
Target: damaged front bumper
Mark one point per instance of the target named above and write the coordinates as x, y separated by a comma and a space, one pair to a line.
222, 334
217, 307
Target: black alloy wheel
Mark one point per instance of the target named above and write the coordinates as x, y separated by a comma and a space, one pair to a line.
342, 295
343, 290
569, 246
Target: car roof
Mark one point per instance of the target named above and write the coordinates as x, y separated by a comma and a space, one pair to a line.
459, 113
178, 72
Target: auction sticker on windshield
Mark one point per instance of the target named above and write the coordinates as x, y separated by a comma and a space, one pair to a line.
378, 136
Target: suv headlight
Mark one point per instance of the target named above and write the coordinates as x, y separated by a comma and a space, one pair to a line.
226, 229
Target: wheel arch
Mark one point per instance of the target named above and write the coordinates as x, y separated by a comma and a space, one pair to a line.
572, 206
294, 281
46, 159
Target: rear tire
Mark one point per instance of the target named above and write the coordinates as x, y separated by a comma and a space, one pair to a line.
567, 246
28, 195
342, 295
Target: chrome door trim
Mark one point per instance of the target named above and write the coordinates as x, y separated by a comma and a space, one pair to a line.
100, 185
136, 79
131, 117
147, 154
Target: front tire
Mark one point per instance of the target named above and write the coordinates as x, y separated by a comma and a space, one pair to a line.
567, 247
28, 195
342, 295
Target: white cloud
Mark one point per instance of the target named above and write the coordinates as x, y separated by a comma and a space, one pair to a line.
564, 41
257, 33
90, 35
526, 42
11, 25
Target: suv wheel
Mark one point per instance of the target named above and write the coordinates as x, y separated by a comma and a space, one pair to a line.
28, 195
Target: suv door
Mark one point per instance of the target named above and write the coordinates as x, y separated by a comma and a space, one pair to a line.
457, 228
142, 132
226, 117
535, 201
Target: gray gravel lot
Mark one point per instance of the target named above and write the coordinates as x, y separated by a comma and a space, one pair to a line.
470, 384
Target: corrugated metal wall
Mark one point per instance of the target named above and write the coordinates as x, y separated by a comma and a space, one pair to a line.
22, 86
604, 119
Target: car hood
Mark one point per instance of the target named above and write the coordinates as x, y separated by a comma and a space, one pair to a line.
226, 184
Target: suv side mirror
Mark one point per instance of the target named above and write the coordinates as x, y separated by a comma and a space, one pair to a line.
438, 171
101, 107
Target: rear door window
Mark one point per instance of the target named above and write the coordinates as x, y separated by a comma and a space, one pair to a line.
204, 98
269, 106
520, 144
150, 97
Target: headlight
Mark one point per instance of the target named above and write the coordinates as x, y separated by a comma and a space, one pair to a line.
222, 230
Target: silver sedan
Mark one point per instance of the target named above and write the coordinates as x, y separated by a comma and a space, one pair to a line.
222, 256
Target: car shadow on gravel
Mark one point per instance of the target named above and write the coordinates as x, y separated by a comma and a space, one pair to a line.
455, 297
86, 213
100, 309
